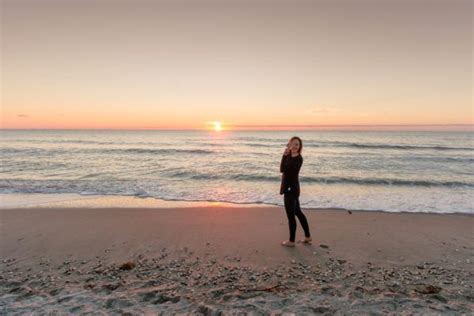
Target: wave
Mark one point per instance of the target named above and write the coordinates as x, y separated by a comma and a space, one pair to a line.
424, 201
158, 151
23, 150
62, 141
258, 145
86, 142
444, 159
408, 147
383, 146
197, 176
394, 182
245, 141
105, 151
320, 180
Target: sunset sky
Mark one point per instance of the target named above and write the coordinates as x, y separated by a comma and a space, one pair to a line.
248, 64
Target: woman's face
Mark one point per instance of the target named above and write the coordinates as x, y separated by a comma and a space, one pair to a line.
294, 146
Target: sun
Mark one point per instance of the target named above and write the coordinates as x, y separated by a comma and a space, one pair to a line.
217, 126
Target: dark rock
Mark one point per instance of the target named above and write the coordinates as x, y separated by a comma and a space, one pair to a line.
54, 292
128, 265
16, 290
89, 286
321, 309
64, 299
327, 289
111, 286
428, 289
440, 298
165, 298
324, 246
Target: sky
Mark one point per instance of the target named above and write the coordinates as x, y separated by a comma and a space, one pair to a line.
247, 64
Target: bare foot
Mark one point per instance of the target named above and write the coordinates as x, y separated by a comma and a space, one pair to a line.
288, 243
306, 240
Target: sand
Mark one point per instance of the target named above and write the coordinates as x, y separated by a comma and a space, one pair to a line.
227, 260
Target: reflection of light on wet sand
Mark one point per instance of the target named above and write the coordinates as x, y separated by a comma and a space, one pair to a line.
215, 204
100, 201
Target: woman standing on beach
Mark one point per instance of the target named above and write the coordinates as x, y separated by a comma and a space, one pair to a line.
290, 186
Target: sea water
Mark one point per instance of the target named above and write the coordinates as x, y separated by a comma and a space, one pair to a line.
364, 170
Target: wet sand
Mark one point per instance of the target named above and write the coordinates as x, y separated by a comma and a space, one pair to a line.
211, 260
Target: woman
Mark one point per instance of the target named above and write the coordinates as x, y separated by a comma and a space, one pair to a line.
290, 167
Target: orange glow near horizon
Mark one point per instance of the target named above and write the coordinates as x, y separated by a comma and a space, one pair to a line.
116, 121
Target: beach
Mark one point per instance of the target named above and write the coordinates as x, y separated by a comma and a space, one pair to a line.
153, 154
214, 260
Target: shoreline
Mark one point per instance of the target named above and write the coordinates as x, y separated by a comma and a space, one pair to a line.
93, 201
221, 259
75, 200
204, 207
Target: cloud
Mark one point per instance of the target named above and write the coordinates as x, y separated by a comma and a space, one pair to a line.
22, 115
318, 110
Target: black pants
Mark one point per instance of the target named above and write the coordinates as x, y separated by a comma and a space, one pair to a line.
292, 207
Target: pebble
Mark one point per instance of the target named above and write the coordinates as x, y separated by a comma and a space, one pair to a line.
294, 278
127, 266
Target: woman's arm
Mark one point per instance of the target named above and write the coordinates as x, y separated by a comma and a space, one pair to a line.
284, 160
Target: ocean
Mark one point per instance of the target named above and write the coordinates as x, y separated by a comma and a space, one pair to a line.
366, 170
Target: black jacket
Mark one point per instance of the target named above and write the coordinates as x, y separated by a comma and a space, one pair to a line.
290, 167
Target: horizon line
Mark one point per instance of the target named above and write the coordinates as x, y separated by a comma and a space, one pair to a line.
273, 127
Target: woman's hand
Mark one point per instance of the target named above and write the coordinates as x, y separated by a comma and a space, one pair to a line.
287, 151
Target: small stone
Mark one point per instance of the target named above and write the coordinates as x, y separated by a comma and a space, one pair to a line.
428, 289
111, 286
440, 298
324, 246
128, 265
